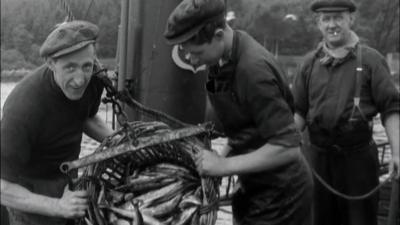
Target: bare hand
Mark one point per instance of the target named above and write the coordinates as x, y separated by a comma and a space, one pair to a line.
224, 150
73, 203
394, 167
210, 164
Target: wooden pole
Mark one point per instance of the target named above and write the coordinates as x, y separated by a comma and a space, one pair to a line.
122, 39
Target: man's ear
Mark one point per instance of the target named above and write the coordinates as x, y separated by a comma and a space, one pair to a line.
352, 19
219, 34
50, 63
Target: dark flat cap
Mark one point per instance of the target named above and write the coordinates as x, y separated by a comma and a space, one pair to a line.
69, 37
333, 6
189, 17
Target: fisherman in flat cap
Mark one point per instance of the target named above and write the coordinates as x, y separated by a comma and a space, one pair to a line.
340, 88
252, 100
42, 125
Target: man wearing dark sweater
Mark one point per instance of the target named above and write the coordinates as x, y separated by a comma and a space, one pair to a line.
251, 98
42, 125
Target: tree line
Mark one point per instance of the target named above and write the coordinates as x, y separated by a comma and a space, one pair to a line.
290, 25
282, 26
25, 24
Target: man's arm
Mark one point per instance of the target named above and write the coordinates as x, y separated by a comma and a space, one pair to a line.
96, 128
392, 131
265, 158
262, 94
70, 205
300, 122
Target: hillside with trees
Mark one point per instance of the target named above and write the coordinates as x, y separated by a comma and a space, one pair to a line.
26, 23
286, 26
290, 25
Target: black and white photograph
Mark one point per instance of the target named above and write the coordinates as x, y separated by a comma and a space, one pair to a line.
200, 112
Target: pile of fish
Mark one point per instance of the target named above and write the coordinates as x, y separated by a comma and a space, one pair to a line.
163, 193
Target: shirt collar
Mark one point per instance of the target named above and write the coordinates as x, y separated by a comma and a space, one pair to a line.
339, 55
228, 60
225, 60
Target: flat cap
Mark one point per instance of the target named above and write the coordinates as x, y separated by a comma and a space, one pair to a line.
333, 6
189, 17
69, 37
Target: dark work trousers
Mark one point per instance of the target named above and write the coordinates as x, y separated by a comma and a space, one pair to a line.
352, 172
4, 216
287, 203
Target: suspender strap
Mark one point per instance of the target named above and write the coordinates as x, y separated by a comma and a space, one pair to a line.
359, 70
358, 84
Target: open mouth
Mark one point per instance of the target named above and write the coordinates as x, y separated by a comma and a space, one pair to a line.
334, 33
77, 88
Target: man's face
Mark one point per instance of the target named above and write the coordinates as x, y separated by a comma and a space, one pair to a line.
207, 53
335, 27
72, 72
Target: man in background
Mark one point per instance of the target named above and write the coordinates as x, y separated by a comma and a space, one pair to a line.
341, 86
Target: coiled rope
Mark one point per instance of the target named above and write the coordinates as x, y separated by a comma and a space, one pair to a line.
350, 197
